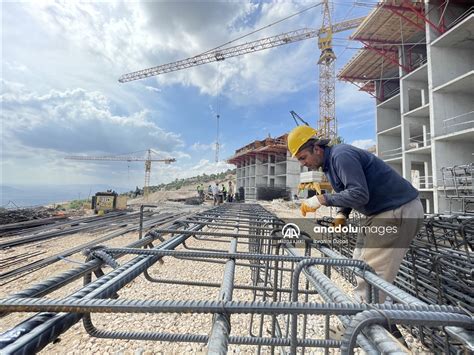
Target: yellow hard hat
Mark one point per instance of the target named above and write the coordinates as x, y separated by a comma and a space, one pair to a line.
299, 136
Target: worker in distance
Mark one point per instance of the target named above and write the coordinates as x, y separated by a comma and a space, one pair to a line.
363, 182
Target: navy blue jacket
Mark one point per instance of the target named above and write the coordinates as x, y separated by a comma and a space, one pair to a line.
364, 182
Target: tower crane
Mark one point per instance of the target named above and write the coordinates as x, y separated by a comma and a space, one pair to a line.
327, 123
148, 160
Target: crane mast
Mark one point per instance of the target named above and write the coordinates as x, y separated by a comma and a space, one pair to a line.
327, 122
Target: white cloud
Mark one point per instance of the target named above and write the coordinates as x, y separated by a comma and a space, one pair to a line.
101, 41
15, 66
363, 143
201, 147
208, 167
131, 36
63, 59
152, 89
42, 128
78, 121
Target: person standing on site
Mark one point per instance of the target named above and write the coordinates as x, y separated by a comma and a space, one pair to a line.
230, 192
215, 193
224, 193
365, 183
200, 191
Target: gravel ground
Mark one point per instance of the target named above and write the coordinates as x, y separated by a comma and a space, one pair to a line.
77, 341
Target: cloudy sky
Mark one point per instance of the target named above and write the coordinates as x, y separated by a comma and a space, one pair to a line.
60, 92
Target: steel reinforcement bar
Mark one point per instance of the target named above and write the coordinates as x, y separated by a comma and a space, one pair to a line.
273, 265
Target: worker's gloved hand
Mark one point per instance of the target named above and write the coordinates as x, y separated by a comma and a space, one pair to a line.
310, 205
340, 219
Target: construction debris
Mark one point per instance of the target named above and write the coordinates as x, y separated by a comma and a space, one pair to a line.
8, 216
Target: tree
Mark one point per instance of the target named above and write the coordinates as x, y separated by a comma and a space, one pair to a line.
337, 140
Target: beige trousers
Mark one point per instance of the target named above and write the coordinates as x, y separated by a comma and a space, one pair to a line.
384, 242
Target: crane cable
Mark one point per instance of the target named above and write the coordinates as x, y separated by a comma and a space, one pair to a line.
218, 94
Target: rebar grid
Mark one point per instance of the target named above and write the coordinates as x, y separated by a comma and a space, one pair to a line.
437, 269
458, 185
281, 303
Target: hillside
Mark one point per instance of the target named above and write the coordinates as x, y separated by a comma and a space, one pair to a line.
183, 188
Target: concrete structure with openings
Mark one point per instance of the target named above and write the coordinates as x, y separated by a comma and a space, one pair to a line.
417, 61
265, 169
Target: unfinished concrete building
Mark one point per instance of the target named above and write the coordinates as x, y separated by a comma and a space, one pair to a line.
417, 61
265, 170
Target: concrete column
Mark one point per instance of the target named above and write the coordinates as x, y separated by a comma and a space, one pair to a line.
426, 173
425, 136
424, 94
406, 166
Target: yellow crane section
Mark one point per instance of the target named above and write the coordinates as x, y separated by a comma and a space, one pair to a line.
148, 160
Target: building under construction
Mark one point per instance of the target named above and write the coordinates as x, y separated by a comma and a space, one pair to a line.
266, 170
417, 61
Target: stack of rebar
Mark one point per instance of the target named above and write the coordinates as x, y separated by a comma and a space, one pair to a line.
8, 216
269, 193
438, 269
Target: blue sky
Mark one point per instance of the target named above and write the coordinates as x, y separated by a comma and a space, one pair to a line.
60, 92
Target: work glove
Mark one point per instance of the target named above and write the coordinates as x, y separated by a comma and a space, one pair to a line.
310, 205
340, 219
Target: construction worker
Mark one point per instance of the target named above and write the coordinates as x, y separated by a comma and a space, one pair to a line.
224, 193
200, 191
137, 192
230, 192
215, 193
365, 183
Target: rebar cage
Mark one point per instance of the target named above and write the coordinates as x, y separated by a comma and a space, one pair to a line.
283, 292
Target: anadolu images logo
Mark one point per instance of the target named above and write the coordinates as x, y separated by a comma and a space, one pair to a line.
290, 231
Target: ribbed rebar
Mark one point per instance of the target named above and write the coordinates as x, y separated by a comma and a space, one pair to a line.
197, 338
425, 318
295, 282
94, 305
255, 227
103, 287
241, 256
398, 295
219, 338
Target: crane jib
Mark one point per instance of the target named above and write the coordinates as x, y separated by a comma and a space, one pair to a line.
249, 47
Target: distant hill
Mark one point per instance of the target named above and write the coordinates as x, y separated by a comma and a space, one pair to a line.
200, 179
